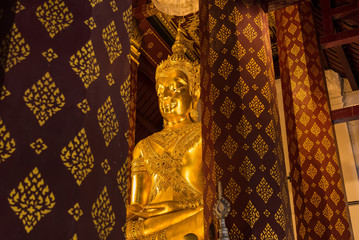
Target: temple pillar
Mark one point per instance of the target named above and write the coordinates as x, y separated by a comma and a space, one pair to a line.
320, 205
242, 141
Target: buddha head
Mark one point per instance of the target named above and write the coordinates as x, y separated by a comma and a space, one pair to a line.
177, 86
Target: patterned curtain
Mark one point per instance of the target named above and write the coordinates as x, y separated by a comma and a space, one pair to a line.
319, 201
242, 142
65, 98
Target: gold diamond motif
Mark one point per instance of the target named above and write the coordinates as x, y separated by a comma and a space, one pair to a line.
112, 42
270, 131
17, 51
268, 233
84, 106
311, 171
326, 143
323, 183
76, 211
318, 93
105, 166
304, 119
220, 3
212, 22
279, 217
247, 169
127, 20
125, 92
215, 132
225, 69
260, 146
322, 117
256, 106
236, 17
298, 72
244, 127
250, 214
18, 8
74, 237
238, 51
213, 93
308, 144
264, 190
90, 23
330, 169
223, 34
235, 233
339, 226
315, 199
335, 197
319, 229
31, 200
49, 55
38, 146
301, 94
77, 157
241, 88
307, 215
4, 93
253, 68
44, 99
230, 147
107, 121
94, 2
249, 33
227, 107
295, 49
55, 16
7, 143
232, 190
103, 215
217, 173
315, 129
122, 181
114, 6
274, 172
212, 57
209, 198
85, 65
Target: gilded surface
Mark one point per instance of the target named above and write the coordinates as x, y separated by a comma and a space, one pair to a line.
7, 143
167, 195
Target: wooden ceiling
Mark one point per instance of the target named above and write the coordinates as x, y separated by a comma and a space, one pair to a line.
337, 26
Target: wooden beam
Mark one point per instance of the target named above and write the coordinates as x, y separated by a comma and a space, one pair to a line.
341, 38
345, 114
349, 73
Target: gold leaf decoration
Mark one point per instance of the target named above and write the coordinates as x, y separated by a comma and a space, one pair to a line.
55, 16
247, 169
126, 93
77, 157
264, 190
112, 41
107, 121
103, 215
31, 200
90, 23
85, 65
95, 2
122, 181
13, 49
260, 146
232, 190
105, 166
50, 55
44, 99
84, 106
250, 214
7, 143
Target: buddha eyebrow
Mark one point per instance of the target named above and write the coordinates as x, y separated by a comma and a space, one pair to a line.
182, 81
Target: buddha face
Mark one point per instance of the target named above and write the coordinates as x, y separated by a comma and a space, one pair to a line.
174, 97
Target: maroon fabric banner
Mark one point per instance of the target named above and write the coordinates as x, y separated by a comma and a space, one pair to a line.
242, 144
63, 118
319, 201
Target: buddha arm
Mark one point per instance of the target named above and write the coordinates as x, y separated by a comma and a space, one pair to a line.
140, 180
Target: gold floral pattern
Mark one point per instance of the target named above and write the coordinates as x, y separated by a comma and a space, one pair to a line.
38, 146
7, 143
31, 200
55, 16
44, 99
108, 121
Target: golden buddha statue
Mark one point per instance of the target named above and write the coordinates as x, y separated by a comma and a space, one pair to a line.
166, 175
